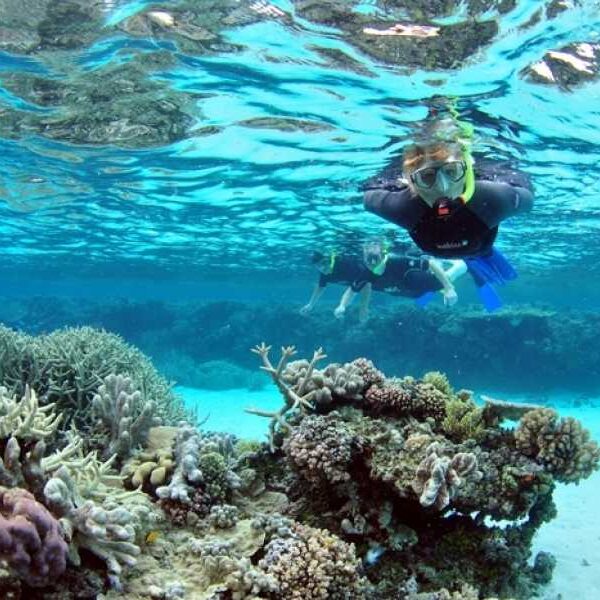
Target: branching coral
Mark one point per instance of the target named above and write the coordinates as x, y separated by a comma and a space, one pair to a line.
67, 366
109, 532
26, 419
124, 414
563, 447
294, 399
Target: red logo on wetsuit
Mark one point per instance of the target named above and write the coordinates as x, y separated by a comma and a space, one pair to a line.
443, 210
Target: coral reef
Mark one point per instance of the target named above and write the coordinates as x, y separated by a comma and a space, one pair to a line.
569, 351
404, 468
67, 368
367, 486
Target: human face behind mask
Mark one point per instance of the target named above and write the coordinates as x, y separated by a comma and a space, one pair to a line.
435, 171
439, 179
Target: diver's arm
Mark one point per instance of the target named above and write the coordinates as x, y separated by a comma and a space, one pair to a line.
345, 302
316, 294
396, 204
494, 201
365, 299
448, 291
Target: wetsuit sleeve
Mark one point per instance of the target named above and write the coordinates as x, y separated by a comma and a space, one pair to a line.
493, 201
397, 205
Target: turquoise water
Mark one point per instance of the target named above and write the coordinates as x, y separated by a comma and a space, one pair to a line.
167, 168
267, 131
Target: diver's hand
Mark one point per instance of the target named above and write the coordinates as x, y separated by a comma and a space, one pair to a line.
339, 312
450, 297
305, 309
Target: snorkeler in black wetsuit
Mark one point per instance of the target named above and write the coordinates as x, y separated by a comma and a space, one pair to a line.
349, 270
409, 276
451, 213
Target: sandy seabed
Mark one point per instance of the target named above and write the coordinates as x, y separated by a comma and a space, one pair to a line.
573, 537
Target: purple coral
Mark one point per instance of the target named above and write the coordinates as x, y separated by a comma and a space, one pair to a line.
30, 539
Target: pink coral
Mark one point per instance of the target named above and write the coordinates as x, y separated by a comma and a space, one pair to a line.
30, 538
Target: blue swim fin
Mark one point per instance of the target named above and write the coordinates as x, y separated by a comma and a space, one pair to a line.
489, 297
423, 300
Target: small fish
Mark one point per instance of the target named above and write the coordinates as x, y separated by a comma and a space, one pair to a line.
152, 536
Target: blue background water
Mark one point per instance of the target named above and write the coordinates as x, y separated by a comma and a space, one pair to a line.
235, 209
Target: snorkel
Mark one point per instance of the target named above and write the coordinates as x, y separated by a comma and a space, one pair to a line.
332, 258
464, 139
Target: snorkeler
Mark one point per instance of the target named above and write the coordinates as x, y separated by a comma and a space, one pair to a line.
348, 270
451, 209
409, 276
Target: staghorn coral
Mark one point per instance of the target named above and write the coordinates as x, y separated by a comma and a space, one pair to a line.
563, 447
67, 366
31, 543
320, 449
124, 415
26, 419
313, 564
438, 476
296, 398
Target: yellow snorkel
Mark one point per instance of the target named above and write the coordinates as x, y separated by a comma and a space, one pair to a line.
332, 258
464, 139
379, 268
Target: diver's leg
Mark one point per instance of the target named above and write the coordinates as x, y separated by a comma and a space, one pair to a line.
345, 302
457, 269
365, 299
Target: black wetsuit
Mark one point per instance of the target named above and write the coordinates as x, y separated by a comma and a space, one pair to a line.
348, 270
452, 229
406, 276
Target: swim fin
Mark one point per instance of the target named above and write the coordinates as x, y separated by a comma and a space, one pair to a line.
489, 297
423, 300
